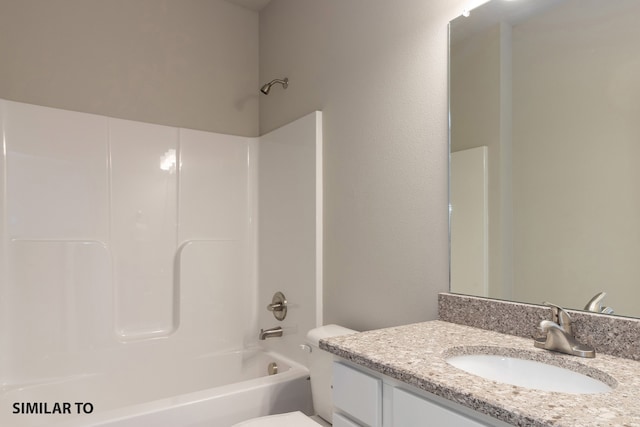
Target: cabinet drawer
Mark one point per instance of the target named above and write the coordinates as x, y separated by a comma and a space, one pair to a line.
410, 410
340, 421
357, 394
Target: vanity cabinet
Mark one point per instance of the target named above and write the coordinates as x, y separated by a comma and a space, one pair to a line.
411, 410
342, 421
358, 396
363, 398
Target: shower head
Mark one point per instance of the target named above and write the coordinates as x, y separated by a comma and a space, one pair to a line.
267, 87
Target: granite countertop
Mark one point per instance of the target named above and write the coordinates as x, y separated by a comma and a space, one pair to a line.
416, 354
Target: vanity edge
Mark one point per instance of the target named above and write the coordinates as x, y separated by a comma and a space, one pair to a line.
416, 355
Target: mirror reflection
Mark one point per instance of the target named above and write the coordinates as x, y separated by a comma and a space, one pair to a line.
545, 153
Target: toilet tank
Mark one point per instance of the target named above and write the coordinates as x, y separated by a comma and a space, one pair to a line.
321, 369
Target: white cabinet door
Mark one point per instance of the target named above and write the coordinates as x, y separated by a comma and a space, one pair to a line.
357, 394
410, 410
341, 421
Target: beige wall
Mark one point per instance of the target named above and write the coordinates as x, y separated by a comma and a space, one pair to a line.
187, 63
576, 200
378, 71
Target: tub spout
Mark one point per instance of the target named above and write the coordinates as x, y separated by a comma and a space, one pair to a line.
270, 333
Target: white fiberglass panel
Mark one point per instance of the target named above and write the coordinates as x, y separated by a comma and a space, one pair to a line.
61, 307
71, 179
56, 173
213, 186
120, 232
290, 228
214, 295
216, 288
143, 226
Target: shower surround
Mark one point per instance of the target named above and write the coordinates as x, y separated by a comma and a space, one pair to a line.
128, 244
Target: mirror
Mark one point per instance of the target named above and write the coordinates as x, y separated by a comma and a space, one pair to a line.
545, 152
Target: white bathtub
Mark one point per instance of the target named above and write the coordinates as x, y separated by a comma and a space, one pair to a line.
212, 391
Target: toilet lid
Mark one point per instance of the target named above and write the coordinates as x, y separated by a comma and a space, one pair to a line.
290, 419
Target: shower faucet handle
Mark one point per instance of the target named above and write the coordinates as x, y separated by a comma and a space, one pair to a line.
278, 306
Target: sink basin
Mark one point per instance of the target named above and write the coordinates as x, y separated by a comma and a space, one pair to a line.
528, 374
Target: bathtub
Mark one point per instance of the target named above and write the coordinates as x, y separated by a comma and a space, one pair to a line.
211, 391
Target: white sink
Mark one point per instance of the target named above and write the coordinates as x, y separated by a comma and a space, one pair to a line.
528, 374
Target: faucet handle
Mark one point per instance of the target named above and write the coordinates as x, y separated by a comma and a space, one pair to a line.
278, 306
560, 316
595, 304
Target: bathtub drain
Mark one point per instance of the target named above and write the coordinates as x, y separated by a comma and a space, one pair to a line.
272, 369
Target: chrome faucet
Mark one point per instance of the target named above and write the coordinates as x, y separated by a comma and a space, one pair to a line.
270, 333
558, 335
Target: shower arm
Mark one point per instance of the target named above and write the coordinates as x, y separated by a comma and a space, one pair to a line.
267, 87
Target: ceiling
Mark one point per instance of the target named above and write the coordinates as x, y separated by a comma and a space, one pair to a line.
256, 5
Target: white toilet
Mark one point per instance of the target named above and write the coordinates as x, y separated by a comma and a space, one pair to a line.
320, 369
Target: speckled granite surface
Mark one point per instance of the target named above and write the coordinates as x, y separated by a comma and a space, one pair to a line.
615, 335
416, 354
